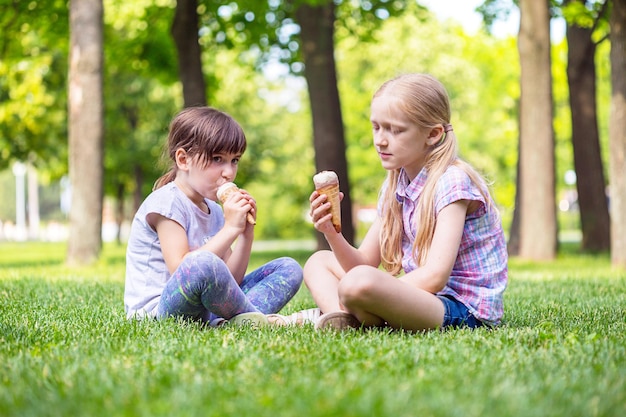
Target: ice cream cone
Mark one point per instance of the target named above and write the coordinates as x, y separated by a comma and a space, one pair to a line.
225, 190
327, 183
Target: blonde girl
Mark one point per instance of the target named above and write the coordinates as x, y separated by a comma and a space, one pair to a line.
437, 236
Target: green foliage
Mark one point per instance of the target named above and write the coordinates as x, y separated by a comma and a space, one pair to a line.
278, 163
142, 94
66, 349
481, 76
270, 30
493, 10
49, 204
586, 13
7, 184
33, 61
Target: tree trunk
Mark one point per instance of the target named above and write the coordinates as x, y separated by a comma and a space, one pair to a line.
590, 182
317, 31
538, 226
86, 130
185, 34
514, 230
617, 134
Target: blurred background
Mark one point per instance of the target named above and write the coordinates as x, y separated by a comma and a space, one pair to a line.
254, 67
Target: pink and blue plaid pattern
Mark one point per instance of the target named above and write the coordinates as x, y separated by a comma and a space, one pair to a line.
480, 273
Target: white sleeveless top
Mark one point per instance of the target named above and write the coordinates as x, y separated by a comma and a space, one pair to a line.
146, 271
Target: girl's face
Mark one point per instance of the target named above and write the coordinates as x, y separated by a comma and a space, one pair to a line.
201, 180
400, 142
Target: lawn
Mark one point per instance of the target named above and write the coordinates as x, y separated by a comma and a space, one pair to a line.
67, 350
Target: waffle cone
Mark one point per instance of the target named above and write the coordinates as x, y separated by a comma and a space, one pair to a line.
224, 194
332, 193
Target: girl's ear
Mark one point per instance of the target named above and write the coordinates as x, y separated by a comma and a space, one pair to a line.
435, 135
182, 159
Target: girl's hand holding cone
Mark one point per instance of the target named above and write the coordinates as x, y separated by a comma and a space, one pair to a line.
327, 183
225, 191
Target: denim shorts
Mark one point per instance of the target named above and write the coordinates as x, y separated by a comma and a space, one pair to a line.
457, 314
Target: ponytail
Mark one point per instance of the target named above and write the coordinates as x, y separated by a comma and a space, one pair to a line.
168, 177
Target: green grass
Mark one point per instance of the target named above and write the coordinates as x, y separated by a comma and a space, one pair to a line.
67, 350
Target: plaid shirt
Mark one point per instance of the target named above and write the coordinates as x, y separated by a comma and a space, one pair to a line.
479, 275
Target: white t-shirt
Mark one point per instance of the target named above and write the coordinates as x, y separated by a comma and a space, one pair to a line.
146, 271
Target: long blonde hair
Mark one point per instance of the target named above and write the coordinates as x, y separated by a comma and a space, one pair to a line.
425, 101
202, 132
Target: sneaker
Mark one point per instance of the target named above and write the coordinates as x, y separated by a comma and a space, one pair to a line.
217, 322
252, 319
338, 320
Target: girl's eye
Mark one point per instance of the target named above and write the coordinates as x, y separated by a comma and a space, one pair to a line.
217, 159
236, 161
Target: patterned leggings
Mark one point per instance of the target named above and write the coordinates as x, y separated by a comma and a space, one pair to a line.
202, 288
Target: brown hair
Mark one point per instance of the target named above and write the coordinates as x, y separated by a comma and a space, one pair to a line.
202, 132
425, 101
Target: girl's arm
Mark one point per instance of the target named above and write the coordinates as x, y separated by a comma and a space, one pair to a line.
236, 210
348, 256
175, 246
173, 239
239, 257
434, 274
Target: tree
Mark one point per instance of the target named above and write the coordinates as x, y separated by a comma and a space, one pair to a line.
142, 93
317, 34
513, 245
538, 227
185, 34
86, 130
302, 31
617, 133
581, 76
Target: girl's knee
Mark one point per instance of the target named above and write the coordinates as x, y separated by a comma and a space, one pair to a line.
291, 269
201, 256
203, 263
357, 285
319, 263
289, 263
319, 258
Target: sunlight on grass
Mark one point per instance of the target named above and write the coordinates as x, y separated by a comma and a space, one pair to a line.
66, 349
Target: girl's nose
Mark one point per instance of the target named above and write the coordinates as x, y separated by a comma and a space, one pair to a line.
229, 172
379, 138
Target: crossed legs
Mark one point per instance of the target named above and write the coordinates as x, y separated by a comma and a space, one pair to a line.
373, 296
